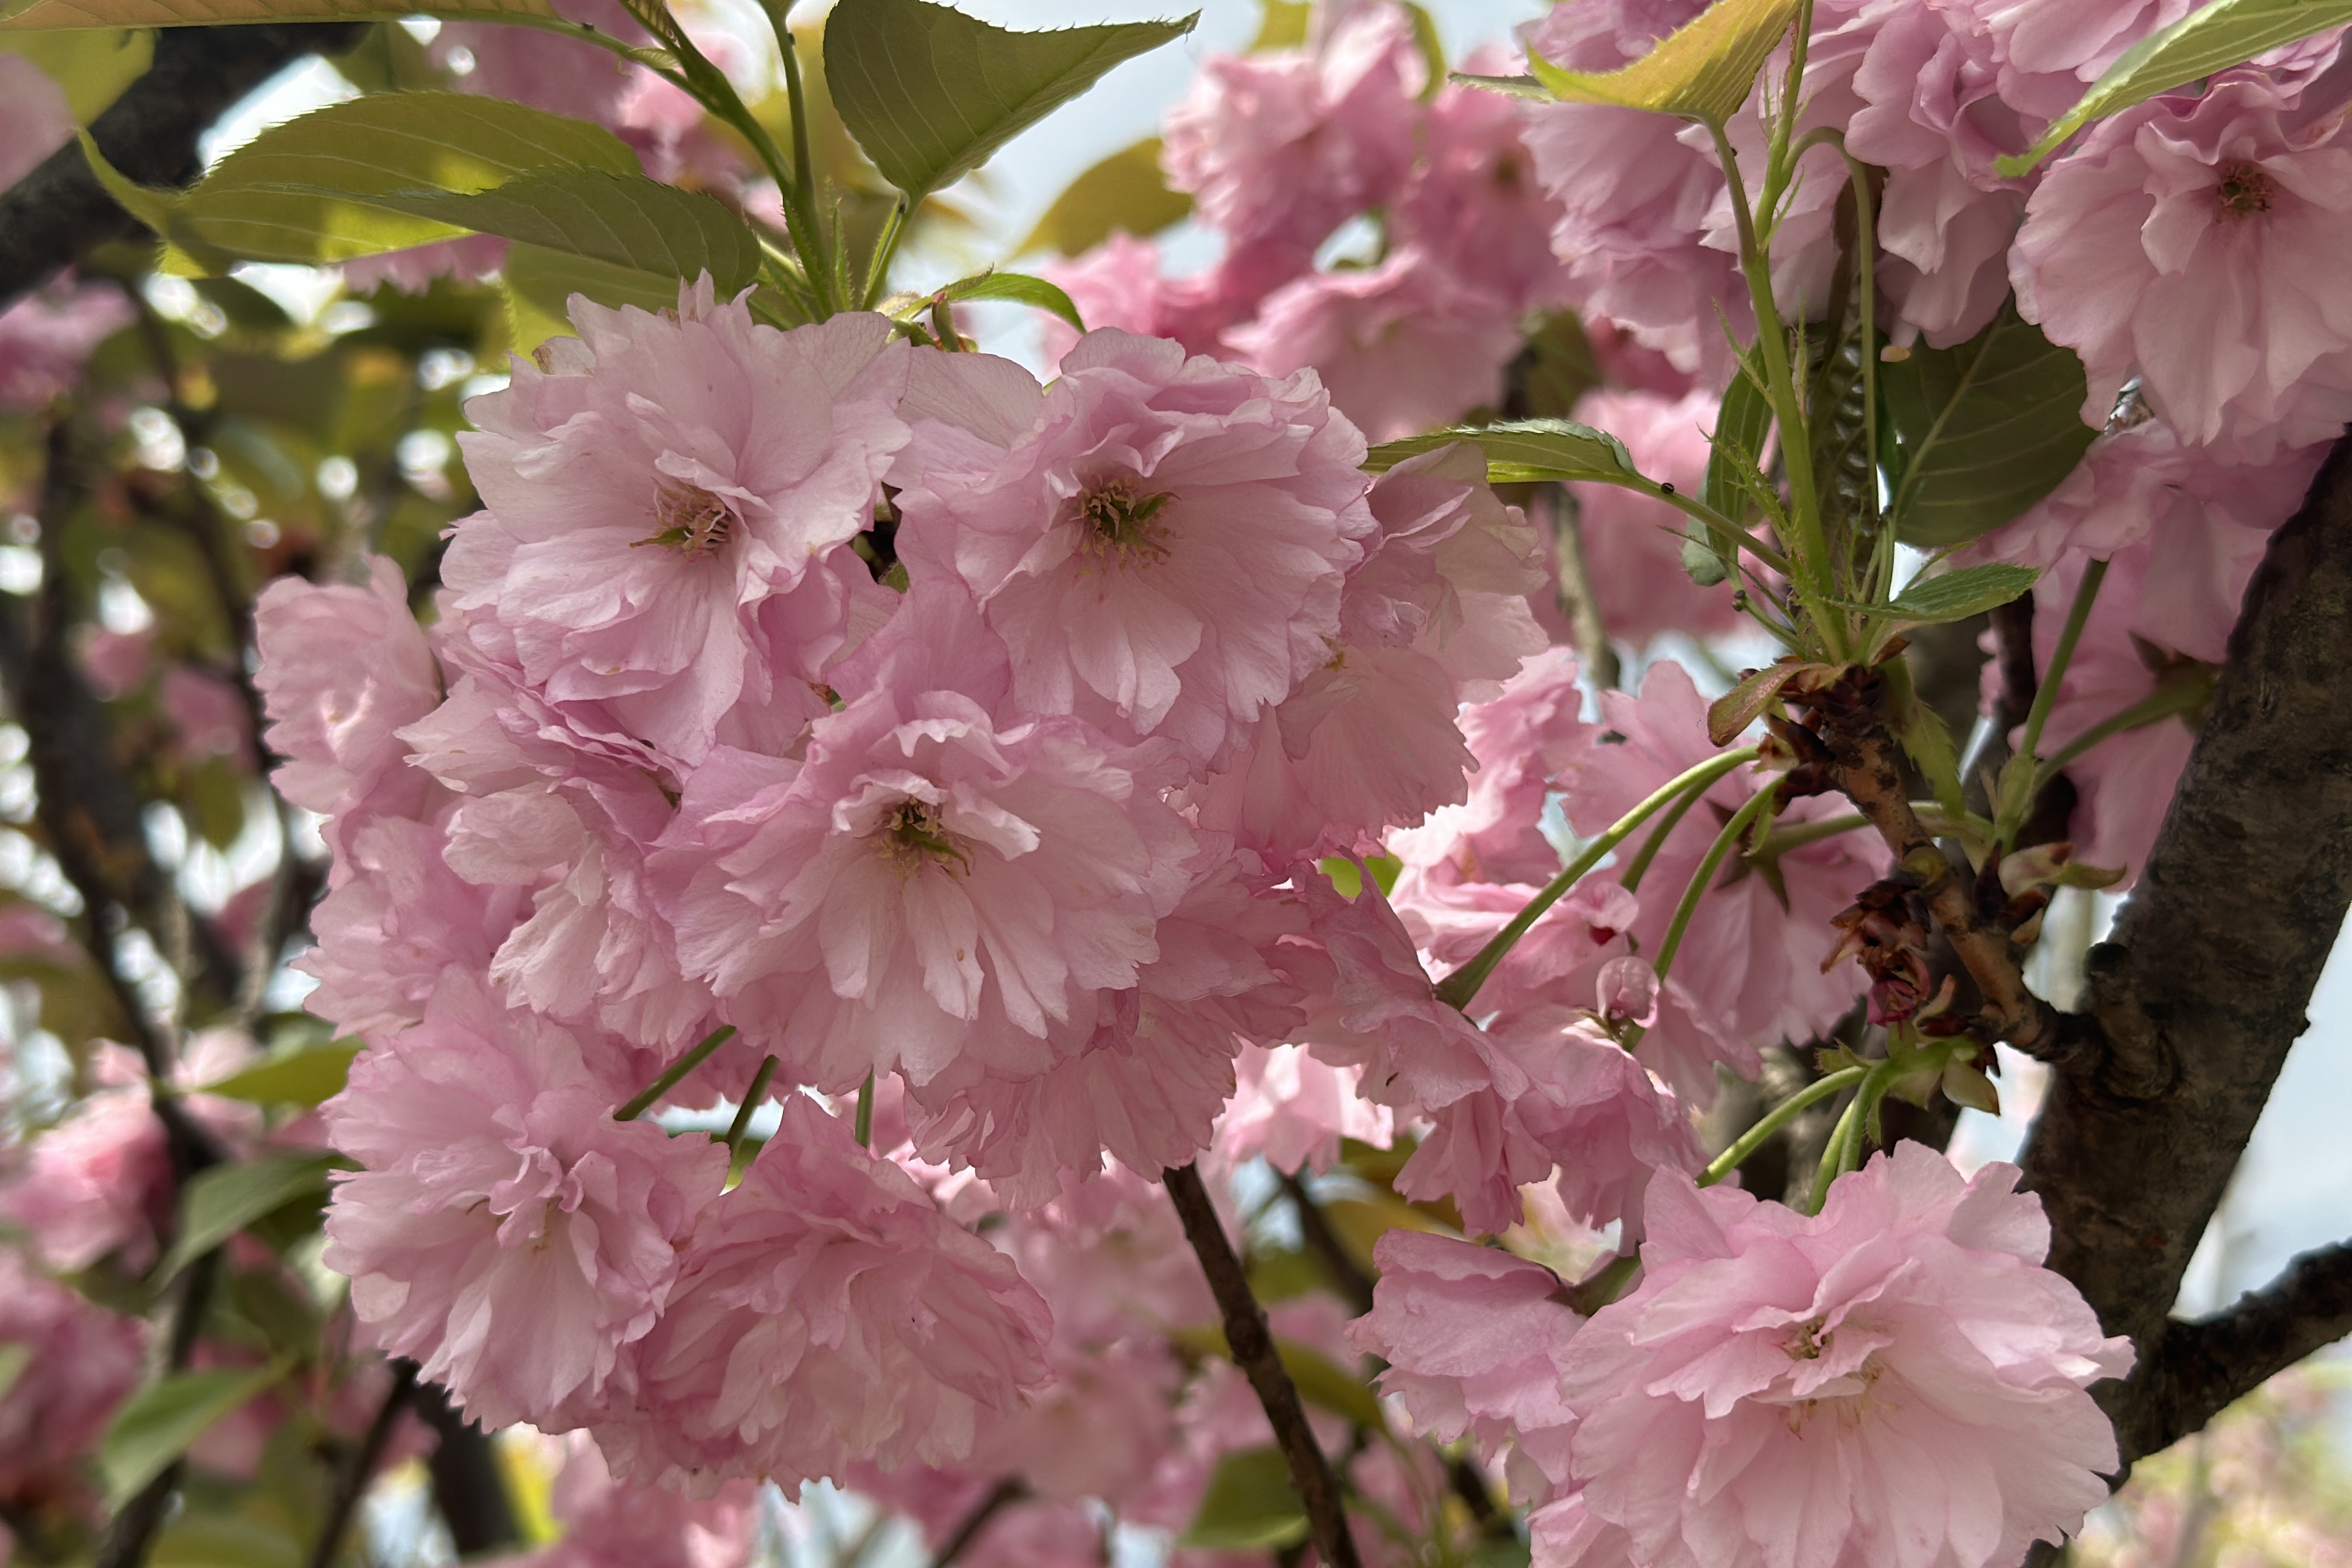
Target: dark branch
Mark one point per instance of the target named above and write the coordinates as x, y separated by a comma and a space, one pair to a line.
131, 1533
2198, 1370
1001, 1495
59, 214
466, 1487
1252, 1344
359, 1468
2203, 988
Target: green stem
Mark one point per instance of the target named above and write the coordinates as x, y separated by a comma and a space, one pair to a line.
1459, 987
1779, 1116
1779, 165
1639, 867
865, 1113
877, 266
752, 1098
674, 1072
2019, 800
1784, 839
1703, 878
1844, 1151
780, 14
2165, 702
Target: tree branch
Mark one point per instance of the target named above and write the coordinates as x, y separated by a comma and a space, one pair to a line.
2203, 987
466, 1487
1001, 1495
59, 214
2197, 1370
359, 1468
1252, 1344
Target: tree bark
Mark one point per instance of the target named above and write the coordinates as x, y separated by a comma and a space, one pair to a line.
2195, 999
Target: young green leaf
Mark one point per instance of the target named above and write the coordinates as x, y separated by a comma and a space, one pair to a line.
1741, 427
305, 191
1018, 288
1524, 451
1249, 1505
298, 1077
539, 284
161, 1420
1737, 709
31, 14
1957, 595
1123, 193
219, 1202
2212, 38
931, 92
624, 220
91, 67
1984, 429
1705, 70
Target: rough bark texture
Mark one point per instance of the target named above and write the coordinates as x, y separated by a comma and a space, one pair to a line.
2202, 989
60, 213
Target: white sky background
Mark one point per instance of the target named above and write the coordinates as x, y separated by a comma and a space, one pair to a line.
2294, 1192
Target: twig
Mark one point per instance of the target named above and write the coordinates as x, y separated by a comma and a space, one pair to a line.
1346, 1277
1572, 587
1252, 1344
466, 1487
131, 1533
360, 1467
1001, 1495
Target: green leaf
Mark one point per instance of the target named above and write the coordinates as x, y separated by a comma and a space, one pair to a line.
219, 1202
1983, 429
931, 92
302, 1077
1124, 194
1554, 370
1741, 427
15, 1357
2213, 38
305, 191
31, 14
1957, 595
1249, 1505
1526, 451
1704, 71
539, 285
1016, 287
93, 67
1324, 1383
1281, 26
161, 1420
623, 220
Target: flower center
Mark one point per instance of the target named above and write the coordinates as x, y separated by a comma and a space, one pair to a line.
689, 519
1121, 524
1807, 1342
2245, 189
913, 834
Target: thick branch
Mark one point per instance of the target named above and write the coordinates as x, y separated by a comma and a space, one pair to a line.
359, 1467
2197, 1370
2203, 988
59, 214
1252, 1344
466, 1487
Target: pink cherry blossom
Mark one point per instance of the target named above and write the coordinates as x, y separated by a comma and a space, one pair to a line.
1520, 738
468, 258
1896, 1381
1475, 1339
1163, 554
504, 1231
81, 1361
2049, 54
1293, 1111
1280, 149
556, 74
1473, 205
608, 1523
46, 337
1633, 543
927, 885
826, 1312
1752, 958
1434, 615
2189, 242
34, 119
96, 1185
657, 494
1120, 283
1404, 347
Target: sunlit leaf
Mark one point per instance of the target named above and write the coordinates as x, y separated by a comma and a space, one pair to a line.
2212, 38
1123, 193
1703, 70
1017, 289
1957, 595
1982, 430
931, 92
539, 284
1249, 1505
218, 1203
93, 67
625, 220
305, 1077
161, 1420
1524, 451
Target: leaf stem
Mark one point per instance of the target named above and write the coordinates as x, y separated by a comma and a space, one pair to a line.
1457, 988
2017, 792
1702, 878
864, 1125
752, 1097
1779, 1116
674, 1072
2173, 698
1844, 1149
